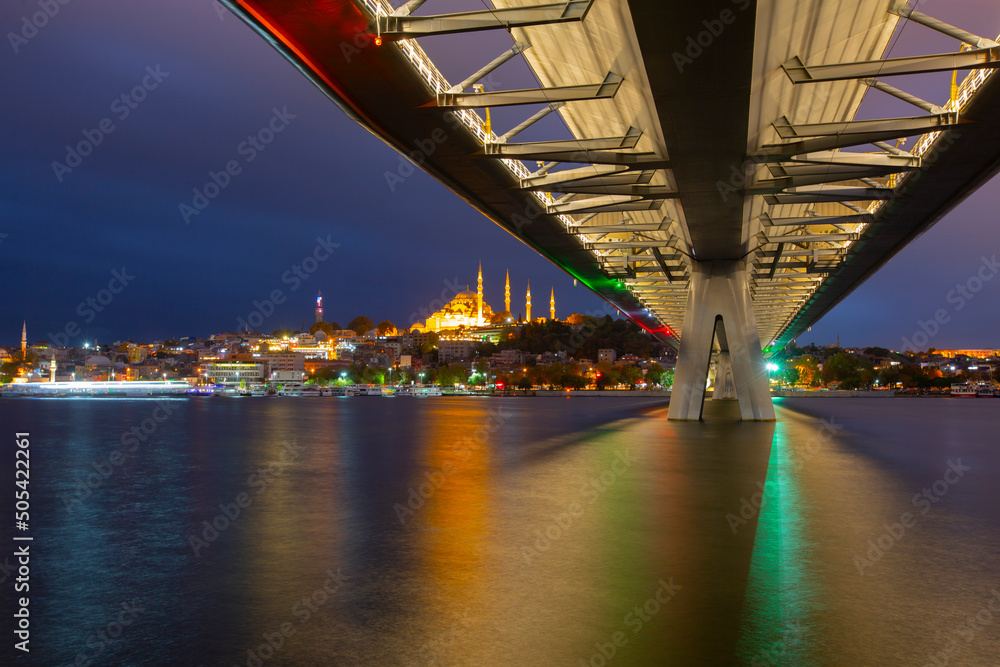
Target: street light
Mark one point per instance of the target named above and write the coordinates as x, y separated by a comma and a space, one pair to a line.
771, 368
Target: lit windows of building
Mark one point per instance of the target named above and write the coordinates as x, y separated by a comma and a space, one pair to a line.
233, 373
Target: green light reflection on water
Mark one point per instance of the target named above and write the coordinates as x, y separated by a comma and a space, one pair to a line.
780, 596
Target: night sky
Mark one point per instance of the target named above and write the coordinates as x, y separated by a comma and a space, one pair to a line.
210, 83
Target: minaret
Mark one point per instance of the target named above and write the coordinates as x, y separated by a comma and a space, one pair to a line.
506, 294
52, 367
527, 307
479, 296
319, 305
552, 305
24, 340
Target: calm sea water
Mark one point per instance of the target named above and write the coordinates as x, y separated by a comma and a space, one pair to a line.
474, 531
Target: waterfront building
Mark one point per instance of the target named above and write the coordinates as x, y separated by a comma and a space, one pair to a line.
606, 354
284, 361
546, 358
235, 373
455, 350
411, 342
509, 357
317, 350
136, 353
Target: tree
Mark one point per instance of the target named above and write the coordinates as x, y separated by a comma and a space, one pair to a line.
387, 328
480, 372
10, 368
808, 369
501, 318
431, 344
850, 371
888, 376
789, 375
552, 374
361, 325
606, 375
654, 375
630, 375
536, 375
524, 383
839, 368
458, 372
373, 375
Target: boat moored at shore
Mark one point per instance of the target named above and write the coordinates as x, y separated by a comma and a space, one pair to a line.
99, 389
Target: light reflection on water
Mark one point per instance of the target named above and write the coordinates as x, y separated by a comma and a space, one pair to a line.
513, 531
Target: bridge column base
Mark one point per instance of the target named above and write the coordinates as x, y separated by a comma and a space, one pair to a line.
719, 308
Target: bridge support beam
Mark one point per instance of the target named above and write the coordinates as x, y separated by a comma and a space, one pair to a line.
719, 308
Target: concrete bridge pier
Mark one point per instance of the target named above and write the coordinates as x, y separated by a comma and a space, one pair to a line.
725, 386
719, 310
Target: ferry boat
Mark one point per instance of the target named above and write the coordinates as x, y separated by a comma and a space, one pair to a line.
963, 390
419, 390
370, 390
343, 391
984, 391
256, 389
299, 390
102, 389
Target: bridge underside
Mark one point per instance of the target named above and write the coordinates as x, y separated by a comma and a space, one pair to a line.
715, 190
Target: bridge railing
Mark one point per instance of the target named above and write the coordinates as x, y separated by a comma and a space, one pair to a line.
966, 90
436, 80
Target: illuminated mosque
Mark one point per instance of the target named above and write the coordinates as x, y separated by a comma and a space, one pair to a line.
468, 310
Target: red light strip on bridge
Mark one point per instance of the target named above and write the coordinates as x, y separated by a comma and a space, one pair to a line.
302, 56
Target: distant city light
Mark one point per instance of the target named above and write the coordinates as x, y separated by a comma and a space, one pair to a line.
772, 367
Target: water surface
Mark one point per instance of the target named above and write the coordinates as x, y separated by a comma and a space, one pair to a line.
542, 531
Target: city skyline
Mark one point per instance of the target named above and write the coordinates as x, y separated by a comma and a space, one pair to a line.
177, 118
311, 307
